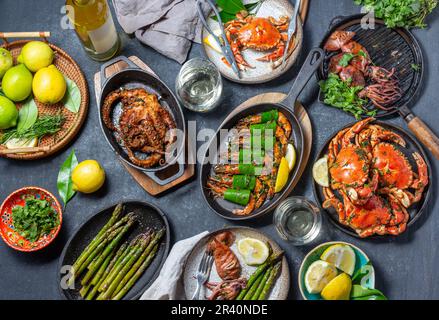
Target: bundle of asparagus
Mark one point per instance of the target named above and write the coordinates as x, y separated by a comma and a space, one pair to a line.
111, 268
262, 280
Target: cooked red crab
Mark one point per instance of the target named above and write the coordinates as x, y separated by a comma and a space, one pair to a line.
261, 34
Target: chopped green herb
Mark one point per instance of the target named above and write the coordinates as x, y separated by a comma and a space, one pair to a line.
35, 219
415, 66
345, 59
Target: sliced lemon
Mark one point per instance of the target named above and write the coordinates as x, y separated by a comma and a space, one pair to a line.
211, 42
338, 288
282, 175
254, 251
21, 143
291, 156
320, 172
318, 275
342, 256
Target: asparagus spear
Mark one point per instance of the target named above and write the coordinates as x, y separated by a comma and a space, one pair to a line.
155, 238
137, 275
108, 268
270, 281
118, 266
262, 284
119, 276
253, 288
84, 290
270, 261
113, 244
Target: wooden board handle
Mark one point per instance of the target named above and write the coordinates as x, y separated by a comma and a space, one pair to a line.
427, 137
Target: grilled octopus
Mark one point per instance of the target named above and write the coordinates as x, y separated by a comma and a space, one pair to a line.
144, 125
226, 262
226, 290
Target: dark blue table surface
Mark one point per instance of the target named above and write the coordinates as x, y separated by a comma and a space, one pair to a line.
406, 267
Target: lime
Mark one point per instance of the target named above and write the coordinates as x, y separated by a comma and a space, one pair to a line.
88, 176
254, 251
17, 83
320, 172
338, 288
342, 256
318, 275
49, 85
282, 175
36, 55
6, 61
8, 113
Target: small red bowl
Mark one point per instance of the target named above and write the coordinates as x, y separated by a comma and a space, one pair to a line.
7, 232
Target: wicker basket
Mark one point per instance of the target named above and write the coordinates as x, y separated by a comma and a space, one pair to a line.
49, 145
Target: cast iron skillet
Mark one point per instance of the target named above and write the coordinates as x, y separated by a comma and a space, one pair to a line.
225, 208
134, 77
149, 216
415, 210
389, 48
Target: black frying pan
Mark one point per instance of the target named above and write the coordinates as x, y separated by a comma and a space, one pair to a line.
225, 208
149, 216
389, 48
134, 77
415, 210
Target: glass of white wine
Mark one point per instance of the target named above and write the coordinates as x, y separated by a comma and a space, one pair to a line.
199, 85
298, 220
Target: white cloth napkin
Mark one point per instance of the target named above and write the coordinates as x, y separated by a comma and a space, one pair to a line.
168, 285
168, 26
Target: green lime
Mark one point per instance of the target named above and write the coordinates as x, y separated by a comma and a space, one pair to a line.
36, 55
17, 83
8, 113
6, 61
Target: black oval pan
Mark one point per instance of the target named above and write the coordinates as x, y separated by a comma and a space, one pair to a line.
223, 207
389, 48
134, 77
415, 210
149, 215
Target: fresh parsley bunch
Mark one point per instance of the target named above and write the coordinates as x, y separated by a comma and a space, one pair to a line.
401, 13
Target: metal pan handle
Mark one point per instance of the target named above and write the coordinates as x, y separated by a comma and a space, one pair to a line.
162, 182
112, 62
311, 64
420, 129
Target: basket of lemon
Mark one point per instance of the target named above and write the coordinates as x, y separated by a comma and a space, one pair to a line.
43, 97
338, 271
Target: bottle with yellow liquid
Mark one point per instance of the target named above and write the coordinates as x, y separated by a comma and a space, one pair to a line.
95, 27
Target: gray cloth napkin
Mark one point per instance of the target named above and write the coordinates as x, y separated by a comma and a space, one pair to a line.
168, 285
168, 26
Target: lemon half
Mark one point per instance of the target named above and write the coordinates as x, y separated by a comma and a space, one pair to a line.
254, 251
338, 288
320, 172
318, 275
342, 256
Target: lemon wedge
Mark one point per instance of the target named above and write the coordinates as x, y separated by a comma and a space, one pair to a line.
338, 288
282, 175
342, 256
254, 251
291, 156
21, 143
211, 42
320, 172
318, 275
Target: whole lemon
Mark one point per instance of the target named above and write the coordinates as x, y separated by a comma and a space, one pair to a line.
8, 113
6, 61
49, 85
36, 55
88, 176
17, 83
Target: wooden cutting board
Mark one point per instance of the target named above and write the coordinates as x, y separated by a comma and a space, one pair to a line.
144, 181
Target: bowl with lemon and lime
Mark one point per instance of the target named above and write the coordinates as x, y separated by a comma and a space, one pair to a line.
43, 99
338, 271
